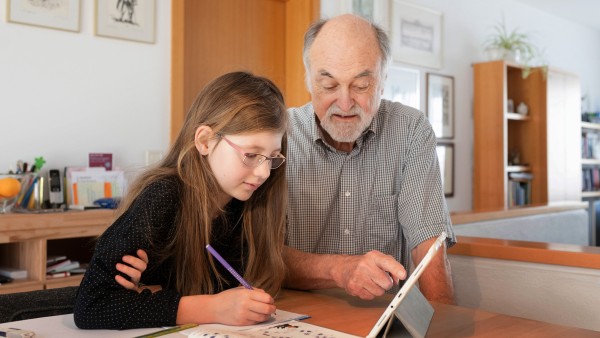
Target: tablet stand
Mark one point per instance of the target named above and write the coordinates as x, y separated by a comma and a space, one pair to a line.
411, 318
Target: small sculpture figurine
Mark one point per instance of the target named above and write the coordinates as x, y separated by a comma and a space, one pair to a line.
522, 108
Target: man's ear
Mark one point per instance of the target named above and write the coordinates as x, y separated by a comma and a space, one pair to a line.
201, 138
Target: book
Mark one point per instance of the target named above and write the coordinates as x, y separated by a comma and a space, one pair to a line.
67, 267
104, 160
58, 274
13, 273
289, 329
54, 259
58, 264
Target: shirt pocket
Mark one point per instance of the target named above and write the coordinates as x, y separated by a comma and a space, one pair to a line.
382, 226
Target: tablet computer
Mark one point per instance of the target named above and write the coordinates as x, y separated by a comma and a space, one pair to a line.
386, 317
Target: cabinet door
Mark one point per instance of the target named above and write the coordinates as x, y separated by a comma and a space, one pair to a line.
564, 137
210, 38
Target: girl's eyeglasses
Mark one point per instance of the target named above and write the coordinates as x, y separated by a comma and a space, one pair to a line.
254, 160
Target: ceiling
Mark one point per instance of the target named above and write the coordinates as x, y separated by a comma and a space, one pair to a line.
584, 12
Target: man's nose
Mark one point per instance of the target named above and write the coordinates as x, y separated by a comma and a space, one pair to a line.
345, 100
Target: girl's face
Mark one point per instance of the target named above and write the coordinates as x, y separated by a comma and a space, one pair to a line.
236, 178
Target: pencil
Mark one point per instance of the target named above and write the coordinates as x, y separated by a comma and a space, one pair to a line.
167, 331
237, 276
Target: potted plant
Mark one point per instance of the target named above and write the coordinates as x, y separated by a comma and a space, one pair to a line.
511, 46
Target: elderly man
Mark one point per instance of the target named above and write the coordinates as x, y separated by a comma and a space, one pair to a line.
365, 187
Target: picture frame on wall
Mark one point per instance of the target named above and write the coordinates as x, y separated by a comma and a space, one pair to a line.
440, 104
445, 154
126, 19
416, 35
403, 85
56, 14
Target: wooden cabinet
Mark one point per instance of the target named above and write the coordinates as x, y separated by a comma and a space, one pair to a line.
541, 143
210, 38
27, 239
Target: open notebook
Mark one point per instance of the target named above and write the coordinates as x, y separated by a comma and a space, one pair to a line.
283, 324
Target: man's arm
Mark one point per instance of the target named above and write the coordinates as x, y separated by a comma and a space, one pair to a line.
365, 276
436, 281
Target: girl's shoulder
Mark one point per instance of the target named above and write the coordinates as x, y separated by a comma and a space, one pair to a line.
167, 187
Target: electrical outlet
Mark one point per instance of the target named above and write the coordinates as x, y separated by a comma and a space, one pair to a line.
153, 156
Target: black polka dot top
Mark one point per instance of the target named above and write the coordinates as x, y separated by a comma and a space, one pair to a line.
102, 303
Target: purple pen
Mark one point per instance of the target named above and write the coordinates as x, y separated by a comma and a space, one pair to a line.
228, 267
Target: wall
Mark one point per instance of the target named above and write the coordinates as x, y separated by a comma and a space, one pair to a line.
568, 295
466, 25
66, 94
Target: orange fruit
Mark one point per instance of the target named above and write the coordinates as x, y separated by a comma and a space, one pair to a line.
9, 187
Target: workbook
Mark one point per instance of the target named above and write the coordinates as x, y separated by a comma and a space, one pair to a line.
289, 329
283, 324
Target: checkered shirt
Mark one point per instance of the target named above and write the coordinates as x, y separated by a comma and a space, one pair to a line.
386, 194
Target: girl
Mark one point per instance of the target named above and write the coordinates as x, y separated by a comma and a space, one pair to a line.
211, 188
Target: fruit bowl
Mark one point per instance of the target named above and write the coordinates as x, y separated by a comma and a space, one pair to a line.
11, 188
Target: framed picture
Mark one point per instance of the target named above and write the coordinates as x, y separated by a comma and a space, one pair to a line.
58, 14
126, 19
403, 85
440, 104
416, 35
445, 154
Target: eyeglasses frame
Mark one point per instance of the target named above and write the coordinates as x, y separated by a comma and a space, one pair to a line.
245, 155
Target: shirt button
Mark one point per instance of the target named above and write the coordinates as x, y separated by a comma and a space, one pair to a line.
347, 194
347, 232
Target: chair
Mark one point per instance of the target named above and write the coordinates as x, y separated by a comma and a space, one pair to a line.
35, 304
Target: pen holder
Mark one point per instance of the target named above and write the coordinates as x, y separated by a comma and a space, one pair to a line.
32, 195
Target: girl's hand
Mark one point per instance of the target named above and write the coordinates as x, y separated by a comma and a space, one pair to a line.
134, 268
241, 306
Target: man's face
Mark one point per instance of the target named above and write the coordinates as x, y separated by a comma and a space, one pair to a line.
345, 83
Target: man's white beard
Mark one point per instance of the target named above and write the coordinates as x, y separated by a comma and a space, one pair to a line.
345, 131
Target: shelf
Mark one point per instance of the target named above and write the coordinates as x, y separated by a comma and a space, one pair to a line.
590, 125
517, 168
53, 283
21, 286
27, 239
588, 194
590, 161
517, 117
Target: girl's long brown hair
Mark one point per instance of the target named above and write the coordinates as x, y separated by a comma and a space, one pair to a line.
235, 103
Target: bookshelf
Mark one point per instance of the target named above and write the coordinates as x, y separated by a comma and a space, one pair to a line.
27, 239
590, 171
543, 145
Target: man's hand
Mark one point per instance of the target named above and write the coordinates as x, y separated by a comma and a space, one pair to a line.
134, 268
369, 275
366, 276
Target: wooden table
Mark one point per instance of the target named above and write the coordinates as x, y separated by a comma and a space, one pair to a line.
335, 310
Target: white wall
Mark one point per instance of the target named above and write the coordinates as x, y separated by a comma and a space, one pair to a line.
466, 25
66, 94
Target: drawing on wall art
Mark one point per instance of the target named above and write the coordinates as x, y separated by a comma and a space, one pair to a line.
126, 19
58, 14
416, 35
